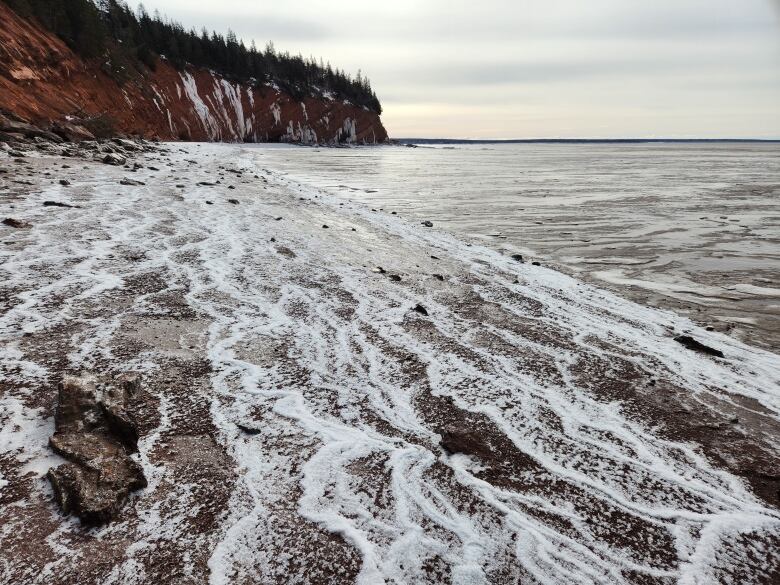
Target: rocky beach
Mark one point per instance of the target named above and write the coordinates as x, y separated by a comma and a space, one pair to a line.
210, 372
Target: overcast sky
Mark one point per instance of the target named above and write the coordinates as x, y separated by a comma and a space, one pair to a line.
535, 68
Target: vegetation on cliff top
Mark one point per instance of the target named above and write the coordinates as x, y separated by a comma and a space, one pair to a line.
111, 28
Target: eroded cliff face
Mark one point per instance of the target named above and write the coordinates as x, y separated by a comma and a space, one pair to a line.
42, 80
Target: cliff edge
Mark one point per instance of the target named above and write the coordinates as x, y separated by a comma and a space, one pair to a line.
44, 82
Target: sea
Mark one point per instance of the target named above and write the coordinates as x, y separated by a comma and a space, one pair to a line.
692, 227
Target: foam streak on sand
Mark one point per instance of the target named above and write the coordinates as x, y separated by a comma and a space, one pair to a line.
332, 396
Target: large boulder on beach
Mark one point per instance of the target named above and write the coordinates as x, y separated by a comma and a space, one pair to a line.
26, 129
72, 132
114, 159
96, 433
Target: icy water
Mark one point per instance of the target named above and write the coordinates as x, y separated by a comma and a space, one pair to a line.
691, 227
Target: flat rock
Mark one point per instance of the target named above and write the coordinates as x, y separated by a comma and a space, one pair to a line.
96, 434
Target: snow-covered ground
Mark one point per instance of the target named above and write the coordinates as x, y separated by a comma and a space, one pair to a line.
303, 423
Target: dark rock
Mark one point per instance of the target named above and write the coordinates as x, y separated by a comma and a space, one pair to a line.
95, 432
233, 201
249, 430
535, 263
694, 345
378, 270
114, 159
394, 278
438, 277
131, 182
427, 223
206, 184
57, 204
324, 226
64, 182
26, 129
418, 308
16, 223
518, 257
209, 203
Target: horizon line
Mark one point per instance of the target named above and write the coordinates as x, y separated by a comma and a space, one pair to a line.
576, 140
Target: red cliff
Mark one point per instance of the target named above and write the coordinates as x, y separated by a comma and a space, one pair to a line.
42, 80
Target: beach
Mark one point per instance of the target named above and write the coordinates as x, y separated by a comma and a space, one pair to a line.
334, 392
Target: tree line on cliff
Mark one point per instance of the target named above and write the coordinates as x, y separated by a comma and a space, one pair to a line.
109, 28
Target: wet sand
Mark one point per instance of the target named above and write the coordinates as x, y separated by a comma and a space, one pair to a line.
335, 394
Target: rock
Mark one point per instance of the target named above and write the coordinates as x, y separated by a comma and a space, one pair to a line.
64, 182
206, 184
131, 182
324, 226
114, 159
439, 277
127, 144
72, 132
26, 129
694, 345
394, 278
233, 201
535, 263
96, 434
518, 257
427, 223
16, 154
16, 223
249, 430
57, 204
418, 308
378, 270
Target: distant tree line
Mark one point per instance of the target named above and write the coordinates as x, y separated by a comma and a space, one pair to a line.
110, 28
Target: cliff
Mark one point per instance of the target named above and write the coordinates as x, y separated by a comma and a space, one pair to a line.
44, 82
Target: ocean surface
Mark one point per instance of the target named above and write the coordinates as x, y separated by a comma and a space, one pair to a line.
686, 226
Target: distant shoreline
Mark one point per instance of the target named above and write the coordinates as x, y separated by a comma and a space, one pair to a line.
582, 140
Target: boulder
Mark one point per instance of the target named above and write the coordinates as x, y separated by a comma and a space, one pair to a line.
96, 433
114, 159
72, 132
26, 129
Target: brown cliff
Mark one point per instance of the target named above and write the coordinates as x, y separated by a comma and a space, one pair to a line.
43, 81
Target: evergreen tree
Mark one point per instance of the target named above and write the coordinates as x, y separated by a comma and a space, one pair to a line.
110, 29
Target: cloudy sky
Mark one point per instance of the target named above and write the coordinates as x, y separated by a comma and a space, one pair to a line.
535, 68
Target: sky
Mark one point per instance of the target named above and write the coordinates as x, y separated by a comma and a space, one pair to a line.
535, 68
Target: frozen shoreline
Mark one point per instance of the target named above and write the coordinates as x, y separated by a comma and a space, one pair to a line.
482, 442
683, 227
